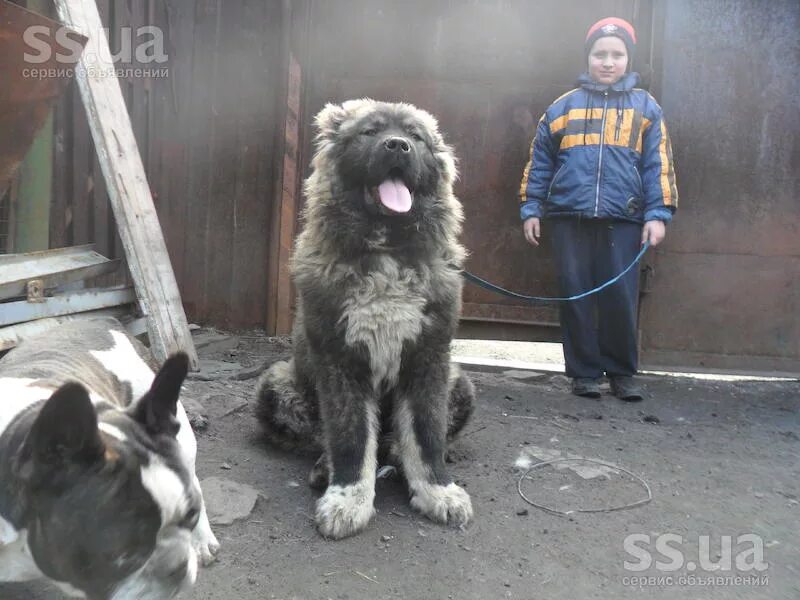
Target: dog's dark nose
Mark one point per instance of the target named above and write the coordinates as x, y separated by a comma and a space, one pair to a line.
397, 144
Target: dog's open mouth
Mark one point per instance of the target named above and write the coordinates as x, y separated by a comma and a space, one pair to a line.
393, 195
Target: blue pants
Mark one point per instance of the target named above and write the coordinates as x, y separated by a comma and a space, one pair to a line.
599, 331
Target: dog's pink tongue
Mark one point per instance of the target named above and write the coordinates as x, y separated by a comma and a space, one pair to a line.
395, 195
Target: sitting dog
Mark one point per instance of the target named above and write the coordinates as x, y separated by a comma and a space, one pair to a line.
377, 269
97, 485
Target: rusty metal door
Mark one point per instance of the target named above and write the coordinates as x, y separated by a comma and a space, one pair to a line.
488, 69
724, 290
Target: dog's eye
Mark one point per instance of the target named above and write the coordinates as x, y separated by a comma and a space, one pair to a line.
369, 131
417, 137
189, 520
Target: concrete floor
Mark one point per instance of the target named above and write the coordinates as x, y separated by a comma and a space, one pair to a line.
721, 458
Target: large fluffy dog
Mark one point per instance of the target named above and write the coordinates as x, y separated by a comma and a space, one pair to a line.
377, 272
97, 483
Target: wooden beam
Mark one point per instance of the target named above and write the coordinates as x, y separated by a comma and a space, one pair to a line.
55, 268
65, 304
288, 169
128, 190
289, 200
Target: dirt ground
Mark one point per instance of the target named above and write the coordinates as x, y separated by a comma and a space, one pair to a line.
721, 459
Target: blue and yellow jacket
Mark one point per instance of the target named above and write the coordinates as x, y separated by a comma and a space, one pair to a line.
601, 152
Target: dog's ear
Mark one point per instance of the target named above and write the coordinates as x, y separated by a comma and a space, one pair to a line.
441, 150
157, 409
64, 432
447, 163
328, 122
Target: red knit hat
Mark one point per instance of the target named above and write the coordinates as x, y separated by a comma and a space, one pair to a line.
612, 26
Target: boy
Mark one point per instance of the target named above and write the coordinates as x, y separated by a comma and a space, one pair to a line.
601, 172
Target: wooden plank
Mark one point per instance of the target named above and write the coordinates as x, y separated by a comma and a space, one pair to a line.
154, 87
129, 193
139, 86
128, 15
12, 259
53, 267
56, 306
229, 104
198, 99
12, 336
173, 129
118, 10
58, 279
259, 68
104, 230
289, 200
276, 266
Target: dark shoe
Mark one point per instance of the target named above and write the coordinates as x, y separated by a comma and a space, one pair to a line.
626, 388
586, 387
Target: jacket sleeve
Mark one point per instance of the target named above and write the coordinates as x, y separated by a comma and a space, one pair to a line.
538, 173
658, 173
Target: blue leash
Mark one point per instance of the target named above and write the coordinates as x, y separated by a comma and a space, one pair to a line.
495, 288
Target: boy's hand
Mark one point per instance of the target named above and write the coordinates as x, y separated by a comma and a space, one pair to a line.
654, 232
531, 229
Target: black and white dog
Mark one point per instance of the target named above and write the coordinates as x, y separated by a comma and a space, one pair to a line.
97, 485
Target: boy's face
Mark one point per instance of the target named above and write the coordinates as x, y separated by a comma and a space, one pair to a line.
608, 60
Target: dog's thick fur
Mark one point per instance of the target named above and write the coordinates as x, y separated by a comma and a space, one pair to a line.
379, 294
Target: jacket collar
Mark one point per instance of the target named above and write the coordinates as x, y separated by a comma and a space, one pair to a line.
626, 84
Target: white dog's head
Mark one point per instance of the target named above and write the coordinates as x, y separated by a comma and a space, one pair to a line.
110, 499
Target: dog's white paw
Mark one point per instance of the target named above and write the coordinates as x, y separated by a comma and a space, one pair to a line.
443, 503
344, 511
204, 541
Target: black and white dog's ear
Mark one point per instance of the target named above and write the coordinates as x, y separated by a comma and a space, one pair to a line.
64, 432
157, 409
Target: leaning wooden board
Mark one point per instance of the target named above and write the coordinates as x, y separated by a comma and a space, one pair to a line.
128, 191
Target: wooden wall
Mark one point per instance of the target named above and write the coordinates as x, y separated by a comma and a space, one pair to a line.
207, 134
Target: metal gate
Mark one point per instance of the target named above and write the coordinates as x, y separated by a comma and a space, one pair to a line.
724, 291
721, 293
489, 68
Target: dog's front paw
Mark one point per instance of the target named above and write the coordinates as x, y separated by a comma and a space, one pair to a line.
344, 511
204, 541
443, 503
